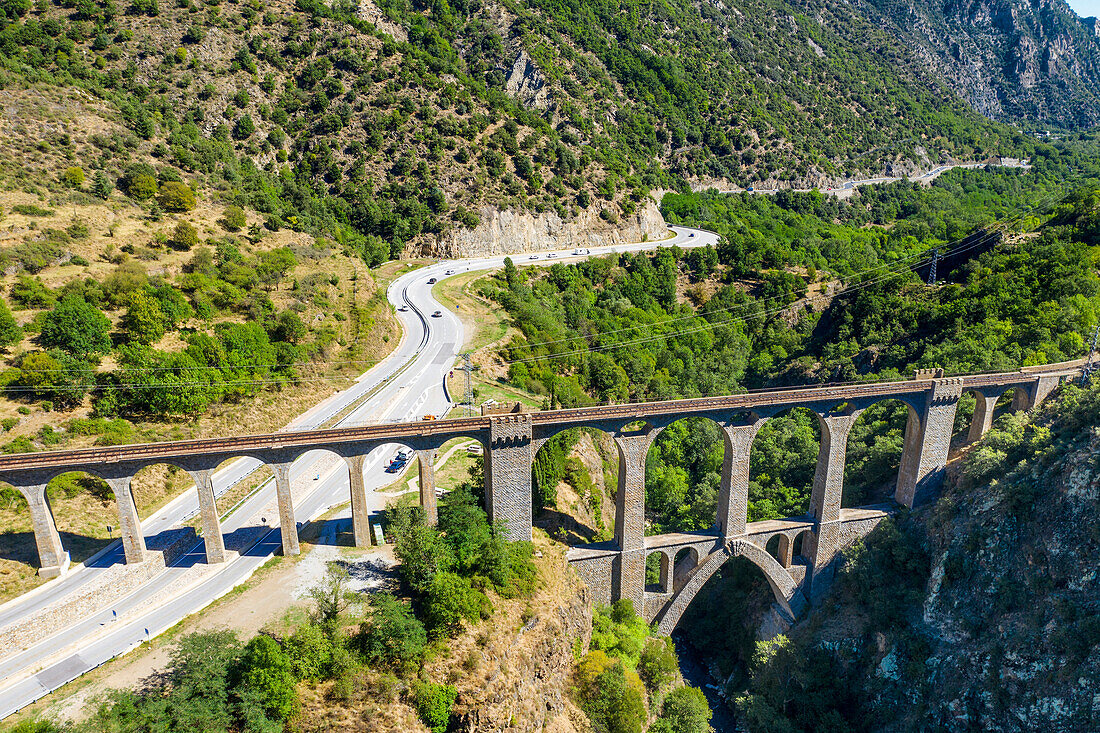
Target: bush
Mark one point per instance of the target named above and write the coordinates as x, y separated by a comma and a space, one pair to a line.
449, 600
175, 196
393, 636
685, 710
73, 177
433, 703
233, 220
183, 237
266, 671
657, 665
141, 187
310, 652
610, 694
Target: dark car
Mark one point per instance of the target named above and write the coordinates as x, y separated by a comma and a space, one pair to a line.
431, 281
437, 314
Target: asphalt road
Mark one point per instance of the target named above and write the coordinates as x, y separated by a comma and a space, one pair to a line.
405, 386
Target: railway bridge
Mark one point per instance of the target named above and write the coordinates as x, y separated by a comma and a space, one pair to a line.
797, 571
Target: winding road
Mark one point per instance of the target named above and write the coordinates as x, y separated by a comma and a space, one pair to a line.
406, 385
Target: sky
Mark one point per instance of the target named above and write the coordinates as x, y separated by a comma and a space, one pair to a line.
1085, 8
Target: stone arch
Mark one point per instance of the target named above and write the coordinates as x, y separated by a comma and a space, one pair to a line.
567, 519
798, 542
685, 561
867, 465
991, 402
787, 593
710, 446
81, 534
660, 560
786, 465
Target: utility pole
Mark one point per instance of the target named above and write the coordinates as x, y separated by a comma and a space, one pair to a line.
932, 270
467, 369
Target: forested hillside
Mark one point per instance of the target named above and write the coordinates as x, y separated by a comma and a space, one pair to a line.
764, 309
978, 612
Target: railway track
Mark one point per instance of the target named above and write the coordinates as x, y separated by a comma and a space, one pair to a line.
244, 444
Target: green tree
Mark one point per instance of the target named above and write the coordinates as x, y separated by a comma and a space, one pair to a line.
658, 665
266, 670
433, 702
289, 328
274, 265
102, 186
10, 332
448, 600
141, 187
233, 219
310, 652
183, 237
422, 551
175, 196
76, 326
73, 177
685, 710
144, 321
393, 636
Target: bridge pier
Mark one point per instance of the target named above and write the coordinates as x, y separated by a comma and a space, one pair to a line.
982, 420
129, 523
288, 526
53, 560
360, 519
927, 444
426, 463
508, 475
211, 523
825, 499
733, 493
629, 581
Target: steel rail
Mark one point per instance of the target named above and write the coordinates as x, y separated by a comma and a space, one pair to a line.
479, 425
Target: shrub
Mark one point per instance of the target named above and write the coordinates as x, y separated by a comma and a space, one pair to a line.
266, 671
76, 326
31, 210
310, 652
144, 320
183, 237
10, 332
233, 220
685, 710
433, 703
102, 186
73, 177
449, 600
175, 196
141, 187
610, 694
393, 636
30, 292
658, 666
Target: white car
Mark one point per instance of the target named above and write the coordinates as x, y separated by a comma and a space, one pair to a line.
402, 308
449, 272
533, 257
580, 251
551, 255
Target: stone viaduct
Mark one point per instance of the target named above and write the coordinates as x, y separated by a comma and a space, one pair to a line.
799, 569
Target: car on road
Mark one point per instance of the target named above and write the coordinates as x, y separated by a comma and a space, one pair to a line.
449, 272
580, 251
437, 314
691, 234
551, 255
431, 281
402, 308
533, 257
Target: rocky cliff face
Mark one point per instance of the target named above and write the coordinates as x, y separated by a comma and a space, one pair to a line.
979, 613
1010, 59
509, 231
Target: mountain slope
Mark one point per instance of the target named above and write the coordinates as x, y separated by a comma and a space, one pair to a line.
1031, 62
400, 123
978, 613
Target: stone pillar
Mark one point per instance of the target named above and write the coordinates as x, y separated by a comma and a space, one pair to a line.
785, 551
508, 474
211, 524
825, 499
1030, 397
630, 518
129, 523
982, 418
52, 558
930, 449
665, 563
426, 461
733, 493
360, 518
288, 525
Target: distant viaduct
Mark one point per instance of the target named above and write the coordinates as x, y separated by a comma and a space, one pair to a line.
616, 569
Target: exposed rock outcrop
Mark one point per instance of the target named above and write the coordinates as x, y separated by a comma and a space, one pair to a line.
510, 231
